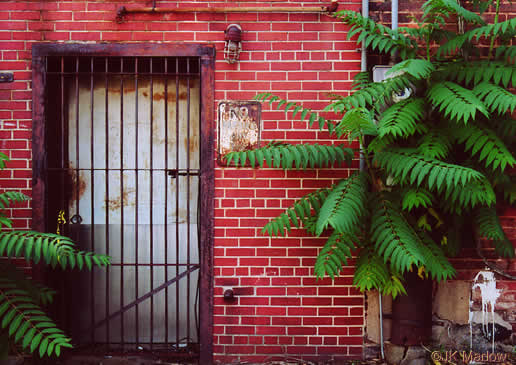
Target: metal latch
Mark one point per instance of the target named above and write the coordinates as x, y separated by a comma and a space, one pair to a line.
174, 173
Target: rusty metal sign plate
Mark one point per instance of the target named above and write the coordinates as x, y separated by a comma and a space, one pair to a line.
239, 127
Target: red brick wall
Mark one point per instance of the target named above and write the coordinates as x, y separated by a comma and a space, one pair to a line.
280, 308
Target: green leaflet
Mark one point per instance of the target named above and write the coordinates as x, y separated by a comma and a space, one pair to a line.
417, 68
372, 273
414, 198
298, 213
299, 156
475, 72
497, 99
401, 118
485, 143
412, 169
456, 102
404, 247
488, 225
344, 206
334, 255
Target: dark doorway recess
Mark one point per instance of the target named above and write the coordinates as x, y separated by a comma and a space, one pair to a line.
123, 147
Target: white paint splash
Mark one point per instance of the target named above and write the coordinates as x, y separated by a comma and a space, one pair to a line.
486, 282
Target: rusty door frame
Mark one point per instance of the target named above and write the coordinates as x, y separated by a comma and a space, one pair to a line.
206, 55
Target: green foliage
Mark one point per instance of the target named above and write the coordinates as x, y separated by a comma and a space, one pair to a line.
447, 8
415, 198
355, 123
436, 160
456, 101
497, 99
298, 214
488, 226
435, 144
377, 36
417, 68
400, 119
472, 73
344, 206
288, 156
48, 248
485, 143
373, 96
335, 254
23, 321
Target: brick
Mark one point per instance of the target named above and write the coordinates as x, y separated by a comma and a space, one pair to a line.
225, 320
349, 321
240, 311
307, 331
332, 330
269, 330
240, 330
85, 36
240, 349
316, 301
269, 349
272, 36
13, 25
256, 320
303, 36
116, 36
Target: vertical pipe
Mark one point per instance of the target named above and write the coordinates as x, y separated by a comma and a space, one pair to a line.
380, 306
106, 116
177, 202
122, 198
137, 193
363, 68
151, 184
92, 173
166, 200
363, 53
394, 14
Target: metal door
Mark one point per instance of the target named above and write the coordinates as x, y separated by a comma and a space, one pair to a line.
123, 136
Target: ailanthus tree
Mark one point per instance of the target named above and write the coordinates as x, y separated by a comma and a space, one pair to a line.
23, 321
436, 161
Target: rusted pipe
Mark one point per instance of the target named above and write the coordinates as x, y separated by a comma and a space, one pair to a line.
122, 11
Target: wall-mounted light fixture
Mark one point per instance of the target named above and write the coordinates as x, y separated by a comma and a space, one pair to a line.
233, 43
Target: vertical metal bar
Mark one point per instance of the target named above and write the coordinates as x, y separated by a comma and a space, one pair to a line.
166, 199
40, 197
63, 172
177, 201
107, 189
92, 173
137, 193
122, 198
188, 197
206, 179
77, 171
151, 183
63, 135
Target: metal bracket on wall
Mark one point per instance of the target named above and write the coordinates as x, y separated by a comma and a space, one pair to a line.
6, 77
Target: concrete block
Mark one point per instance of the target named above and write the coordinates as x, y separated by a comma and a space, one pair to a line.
451, 301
